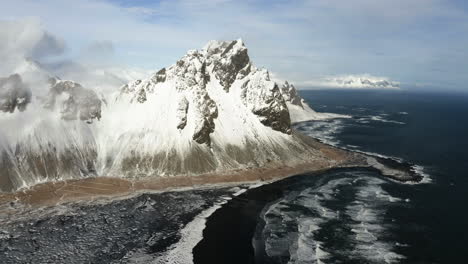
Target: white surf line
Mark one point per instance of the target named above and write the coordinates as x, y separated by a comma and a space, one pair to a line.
182, 251
191, 235
329, 139
369, 227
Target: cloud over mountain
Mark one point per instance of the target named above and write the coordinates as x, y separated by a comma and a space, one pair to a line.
23, 39
364, 81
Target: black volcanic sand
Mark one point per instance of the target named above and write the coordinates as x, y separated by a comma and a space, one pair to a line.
102, 233
228, 236
115, 230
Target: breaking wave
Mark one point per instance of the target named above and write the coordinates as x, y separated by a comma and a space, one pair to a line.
345, 216
328, 131
377, 118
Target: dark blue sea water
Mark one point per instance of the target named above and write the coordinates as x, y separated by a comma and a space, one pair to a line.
357, 215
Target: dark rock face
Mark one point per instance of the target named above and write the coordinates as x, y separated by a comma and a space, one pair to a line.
191, 76
14, 94
182, 110
228, 60
264, 99
290, 94
159, 76
245, 71
141, 96
205, 125
81, 103
189, 72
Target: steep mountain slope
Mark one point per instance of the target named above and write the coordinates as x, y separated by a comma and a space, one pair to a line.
299, 110
48, 135
212, 111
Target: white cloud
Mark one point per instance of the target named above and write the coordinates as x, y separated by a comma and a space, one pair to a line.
28, 38
36, 54
363, 81
100, 47
98, 53
298, 39
25, 39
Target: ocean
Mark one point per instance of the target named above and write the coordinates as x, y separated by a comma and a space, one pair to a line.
356, 215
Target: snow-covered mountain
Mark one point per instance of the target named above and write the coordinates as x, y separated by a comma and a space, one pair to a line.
358, 82
212, 111
14, 95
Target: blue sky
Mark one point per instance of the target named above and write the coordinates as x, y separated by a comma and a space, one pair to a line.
420, 43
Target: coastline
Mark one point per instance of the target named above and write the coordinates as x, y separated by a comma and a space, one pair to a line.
45, 200
53, 193
242, 215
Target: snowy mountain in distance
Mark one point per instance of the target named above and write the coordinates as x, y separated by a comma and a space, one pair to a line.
212, 111
359, 82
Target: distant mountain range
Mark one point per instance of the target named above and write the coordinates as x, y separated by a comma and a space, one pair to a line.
356, 81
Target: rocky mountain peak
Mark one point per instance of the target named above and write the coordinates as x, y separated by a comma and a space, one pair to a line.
221, 64
69, 98
14, 94
263, 97
211, 111
73, 100
290, 94
228, 59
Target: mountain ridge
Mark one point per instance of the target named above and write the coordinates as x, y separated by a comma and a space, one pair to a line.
212, 111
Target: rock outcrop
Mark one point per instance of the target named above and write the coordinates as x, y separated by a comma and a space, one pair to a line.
264, 99
228, 59
51, 138
290, 94
224, 62
14, 94
299, 110
74, 101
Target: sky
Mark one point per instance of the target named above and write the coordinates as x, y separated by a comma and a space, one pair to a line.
417, 43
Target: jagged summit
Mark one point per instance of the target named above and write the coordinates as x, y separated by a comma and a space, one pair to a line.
14, 94
32, 83
75, 101
220, 64
211, 111
290, 94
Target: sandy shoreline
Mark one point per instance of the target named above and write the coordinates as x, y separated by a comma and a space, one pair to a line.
53, 193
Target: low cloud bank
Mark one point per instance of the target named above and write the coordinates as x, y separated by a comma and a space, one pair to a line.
364, 81
29, 50
34, 96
